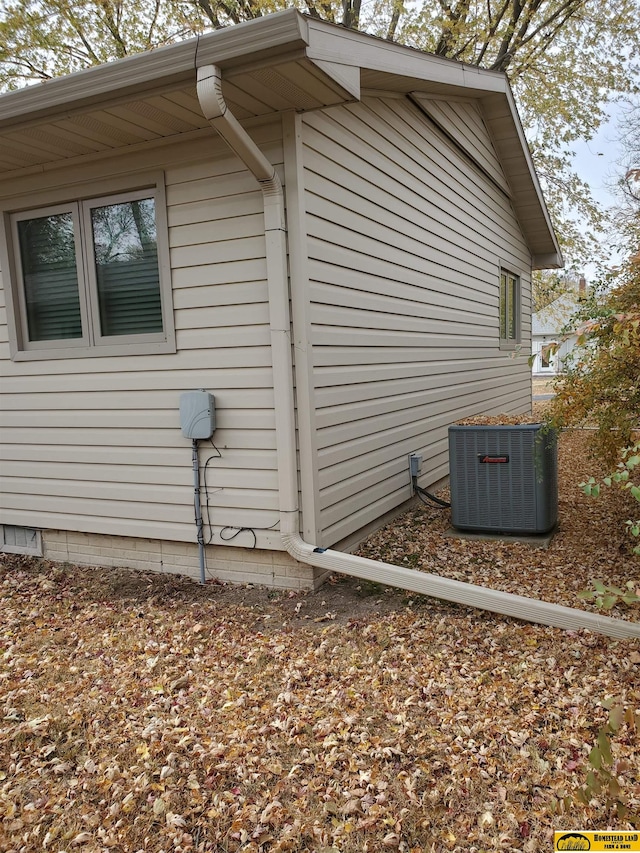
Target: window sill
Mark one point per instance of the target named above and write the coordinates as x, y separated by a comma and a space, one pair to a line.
130, 349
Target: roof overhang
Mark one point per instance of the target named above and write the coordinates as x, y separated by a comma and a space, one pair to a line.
280, 62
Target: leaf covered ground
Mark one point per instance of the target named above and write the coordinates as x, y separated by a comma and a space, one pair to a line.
591, 543
143, 712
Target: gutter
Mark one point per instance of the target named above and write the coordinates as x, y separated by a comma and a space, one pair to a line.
217, 113
164, 67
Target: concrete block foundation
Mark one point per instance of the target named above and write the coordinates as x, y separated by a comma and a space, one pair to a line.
275, 569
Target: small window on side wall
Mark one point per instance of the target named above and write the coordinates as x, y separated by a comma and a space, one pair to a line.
509, 309
90, 277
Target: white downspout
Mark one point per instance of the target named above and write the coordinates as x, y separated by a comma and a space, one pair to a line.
216, 111
219, 116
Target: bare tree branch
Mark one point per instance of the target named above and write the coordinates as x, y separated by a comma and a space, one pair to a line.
448, 35
393, 23
493, 28
153, 21
112, 26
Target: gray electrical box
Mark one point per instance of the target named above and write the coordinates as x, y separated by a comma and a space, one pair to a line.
197, 414
504, 479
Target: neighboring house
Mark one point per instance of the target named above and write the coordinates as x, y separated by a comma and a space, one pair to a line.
549, 326
145, 252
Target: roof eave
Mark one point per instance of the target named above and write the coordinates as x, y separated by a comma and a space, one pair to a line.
330, 43
163, 67
344, 55
513, 151
550, 261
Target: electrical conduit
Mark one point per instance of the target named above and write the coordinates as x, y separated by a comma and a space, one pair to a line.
217, 113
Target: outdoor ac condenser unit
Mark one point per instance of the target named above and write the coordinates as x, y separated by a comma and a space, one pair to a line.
504, 479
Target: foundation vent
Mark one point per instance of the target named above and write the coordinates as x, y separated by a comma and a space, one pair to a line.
20, 540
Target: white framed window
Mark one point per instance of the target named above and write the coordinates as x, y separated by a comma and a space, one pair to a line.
509, 309
91, 276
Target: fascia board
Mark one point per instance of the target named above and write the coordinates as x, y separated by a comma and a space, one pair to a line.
281, 32
331, 43
503, 120
530, 167
550, 261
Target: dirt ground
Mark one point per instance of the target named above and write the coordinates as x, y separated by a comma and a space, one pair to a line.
542, 385
340, 601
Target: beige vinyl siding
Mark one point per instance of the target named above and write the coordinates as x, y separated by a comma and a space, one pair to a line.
94, 444
463, 122
406, 240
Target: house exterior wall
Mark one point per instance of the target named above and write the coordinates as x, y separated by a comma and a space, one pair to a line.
93, 445
406, 239
551, 325
403, 242
538, 342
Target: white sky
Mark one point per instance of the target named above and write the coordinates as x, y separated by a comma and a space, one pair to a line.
596, 160
597, 163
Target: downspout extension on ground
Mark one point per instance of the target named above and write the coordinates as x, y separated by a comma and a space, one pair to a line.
216, 111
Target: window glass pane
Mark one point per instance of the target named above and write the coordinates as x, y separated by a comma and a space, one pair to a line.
50, 277
511, 309
503, 306
126, 259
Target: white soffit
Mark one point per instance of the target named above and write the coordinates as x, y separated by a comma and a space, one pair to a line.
346, 76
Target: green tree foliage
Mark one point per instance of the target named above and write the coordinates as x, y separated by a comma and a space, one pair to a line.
602, 379
605, 770
39, 41
601, 384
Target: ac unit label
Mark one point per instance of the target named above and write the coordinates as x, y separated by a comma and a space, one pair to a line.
485, 458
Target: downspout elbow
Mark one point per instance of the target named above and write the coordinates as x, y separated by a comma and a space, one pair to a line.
215, 110
209, 87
